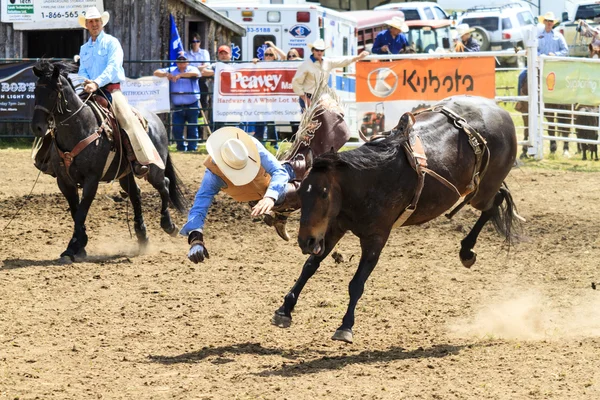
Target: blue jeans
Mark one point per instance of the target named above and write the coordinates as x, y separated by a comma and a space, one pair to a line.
182, 114
264, 133
522, 77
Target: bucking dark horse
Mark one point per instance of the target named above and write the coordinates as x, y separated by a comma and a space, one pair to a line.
462, 148
81, 154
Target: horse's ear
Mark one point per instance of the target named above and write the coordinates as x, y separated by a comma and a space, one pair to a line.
56, 72
37, 72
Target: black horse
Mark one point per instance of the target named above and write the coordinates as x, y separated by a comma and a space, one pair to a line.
369, 189
59, 108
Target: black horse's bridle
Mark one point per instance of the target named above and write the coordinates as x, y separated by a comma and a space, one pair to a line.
61, 106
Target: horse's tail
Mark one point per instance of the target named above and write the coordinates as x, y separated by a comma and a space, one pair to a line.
176, 194
506, 220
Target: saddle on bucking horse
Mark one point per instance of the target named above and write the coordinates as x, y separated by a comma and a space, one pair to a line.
322, 129
107, 125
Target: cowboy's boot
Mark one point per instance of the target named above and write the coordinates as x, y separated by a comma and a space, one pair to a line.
139, 170
280, 213
301, 163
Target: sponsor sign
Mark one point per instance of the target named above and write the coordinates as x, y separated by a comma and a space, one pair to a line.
570, 82
17, 86
148, 92
395, 87
255, 92
53, 14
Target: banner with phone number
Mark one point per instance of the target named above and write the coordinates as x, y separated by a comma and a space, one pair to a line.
391, 88
53, 14
255, 92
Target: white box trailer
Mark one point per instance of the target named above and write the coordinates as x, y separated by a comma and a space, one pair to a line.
289, 25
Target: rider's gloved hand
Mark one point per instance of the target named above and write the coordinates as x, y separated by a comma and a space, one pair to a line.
197, 251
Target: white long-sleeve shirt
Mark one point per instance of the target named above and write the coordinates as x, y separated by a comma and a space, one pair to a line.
305, 80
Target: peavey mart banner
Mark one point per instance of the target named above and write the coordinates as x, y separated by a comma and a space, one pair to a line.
571, 82
251, 92
17, 85
393, 87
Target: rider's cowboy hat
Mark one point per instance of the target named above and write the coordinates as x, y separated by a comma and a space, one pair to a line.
463, 29
398, 23
235, 153
93, 13
549, 16
319, 44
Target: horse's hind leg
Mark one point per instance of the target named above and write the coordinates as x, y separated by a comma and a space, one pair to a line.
466, 254
130, 186
161, 183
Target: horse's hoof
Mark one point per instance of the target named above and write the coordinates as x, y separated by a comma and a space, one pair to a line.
173, 231
343, 336
281, 321
81, 254
66, 260
468, 262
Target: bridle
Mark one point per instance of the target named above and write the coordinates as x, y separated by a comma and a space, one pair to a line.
61, 105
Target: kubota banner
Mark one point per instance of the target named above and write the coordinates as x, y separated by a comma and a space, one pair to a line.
425, 80
251, 92
386, 90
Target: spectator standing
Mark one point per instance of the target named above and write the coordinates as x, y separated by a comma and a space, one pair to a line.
392, 40
223, 55
267, 131
185, 93
466, 43
308, 73
200, 59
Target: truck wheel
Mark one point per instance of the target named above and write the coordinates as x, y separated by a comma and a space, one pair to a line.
482, 36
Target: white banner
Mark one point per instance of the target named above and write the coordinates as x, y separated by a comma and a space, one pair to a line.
259, 92
52, 14
148, 92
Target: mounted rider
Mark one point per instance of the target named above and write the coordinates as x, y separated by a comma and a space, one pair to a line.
101, 64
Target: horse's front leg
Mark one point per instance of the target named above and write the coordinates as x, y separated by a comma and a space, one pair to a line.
79, 240
283, 315
130, 186
72, 195
371, 249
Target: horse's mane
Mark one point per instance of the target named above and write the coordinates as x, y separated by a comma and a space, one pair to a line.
371, 155
46, 68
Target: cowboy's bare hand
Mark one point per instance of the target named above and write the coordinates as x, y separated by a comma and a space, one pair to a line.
385, 48
90, 86
263, 206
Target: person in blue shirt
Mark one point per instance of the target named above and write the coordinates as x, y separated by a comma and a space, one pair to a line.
239, 165
393, 40
185, 93
101, 64
199, 58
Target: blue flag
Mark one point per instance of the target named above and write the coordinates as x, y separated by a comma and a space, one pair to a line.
175, 41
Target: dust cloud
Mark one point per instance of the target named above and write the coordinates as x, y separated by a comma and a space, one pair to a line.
532, 315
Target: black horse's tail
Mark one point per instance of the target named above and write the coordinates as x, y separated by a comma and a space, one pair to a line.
506, 220
176, 194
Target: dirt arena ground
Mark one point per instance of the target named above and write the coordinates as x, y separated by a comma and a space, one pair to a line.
524, 324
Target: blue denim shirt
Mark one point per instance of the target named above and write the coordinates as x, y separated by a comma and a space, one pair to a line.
212, 184
552, 42
186, 90
102, 60
395, 45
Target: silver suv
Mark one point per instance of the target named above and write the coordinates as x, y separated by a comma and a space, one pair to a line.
499, 27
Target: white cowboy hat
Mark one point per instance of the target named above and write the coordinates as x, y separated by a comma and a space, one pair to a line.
548, 16
463, 29
398, 23
235, 153
319, 44
93, 13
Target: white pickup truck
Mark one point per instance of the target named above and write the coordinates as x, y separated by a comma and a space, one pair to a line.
575, 10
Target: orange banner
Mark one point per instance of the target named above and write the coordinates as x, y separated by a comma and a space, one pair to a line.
433, 79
